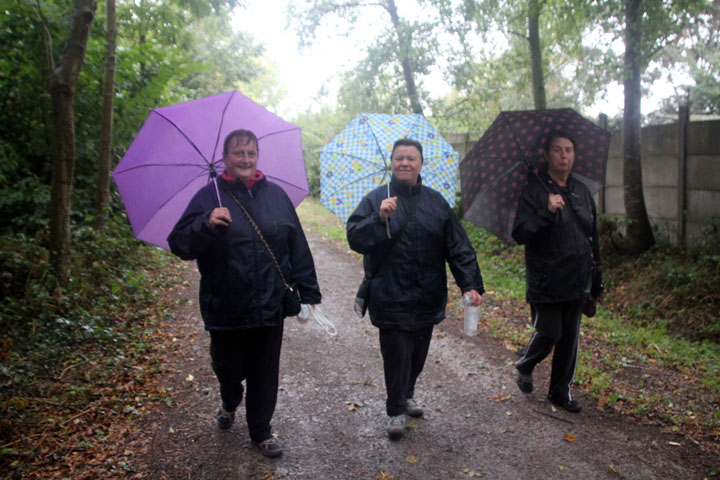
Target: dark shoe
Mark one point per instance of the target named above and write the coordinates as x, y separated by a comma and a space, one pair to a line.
525, 382
569, 405
396, 427
225, 419
413, 409
270, 447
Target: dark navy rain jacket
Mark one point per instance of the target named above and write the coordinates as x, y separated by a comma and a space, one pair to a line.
240, 286
409, 290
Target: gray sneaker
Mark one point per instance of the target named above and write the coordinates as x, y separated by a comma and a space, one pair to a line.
269, 447
396, 427
413, 409
224, 418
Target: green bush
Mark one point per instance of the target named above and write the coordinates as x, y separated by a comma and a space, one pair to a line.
109, 290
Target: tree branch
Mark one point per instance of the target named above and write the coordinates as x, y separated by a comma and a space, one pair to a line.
47, 38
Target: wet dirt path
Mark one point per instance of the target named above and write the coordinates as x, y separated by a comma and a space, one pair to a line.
331, 418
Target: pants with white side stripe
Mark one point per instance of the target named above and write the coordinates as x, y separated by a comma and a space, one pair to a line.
557, 325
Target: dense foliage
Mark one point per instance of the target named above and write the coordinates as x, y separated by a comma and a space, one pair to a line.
167, 52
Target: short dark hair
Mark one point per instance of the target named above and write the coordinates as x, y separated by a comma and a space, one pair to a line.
559, 134
240, 133
407, 142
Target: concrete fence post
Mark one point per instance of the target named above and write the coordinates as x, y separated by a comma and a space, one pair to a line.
683, 120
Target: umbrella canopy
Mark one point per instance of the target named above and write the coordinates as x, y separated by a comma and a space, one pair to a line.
179, 149
494, 172
358, 159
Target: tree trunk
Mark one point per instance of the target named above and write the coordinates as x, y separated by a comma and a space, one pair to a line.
63, 79
405, 44
639, 233
538, 79
106, 125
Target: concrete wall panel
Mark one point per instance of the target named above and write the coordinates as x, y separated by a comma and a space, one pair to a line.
704, 138
703, 172
703, 205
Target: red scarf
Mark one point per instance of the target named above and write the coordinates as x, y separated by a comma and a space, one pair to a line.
251, 182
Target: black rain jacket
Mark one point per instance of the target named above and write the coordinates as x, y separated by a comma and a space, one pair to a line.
409, 290
240, 286
559, 249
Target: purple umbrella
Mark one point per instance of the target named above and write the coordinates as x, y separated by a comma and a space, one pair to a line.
495, 171
179, 149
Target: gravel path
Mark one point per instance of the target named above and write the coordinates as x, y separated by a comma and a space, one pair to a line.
331, 418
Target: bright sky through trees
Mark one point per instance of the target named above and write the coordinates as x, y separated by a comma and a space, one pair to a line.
304, 74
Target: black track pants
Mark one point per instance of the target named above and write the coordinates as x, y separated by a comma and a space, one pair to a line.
253, 356
404, 355
556, 325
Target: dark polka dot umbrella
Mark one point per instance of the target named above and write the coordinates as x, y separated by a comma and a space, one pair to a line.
494, 172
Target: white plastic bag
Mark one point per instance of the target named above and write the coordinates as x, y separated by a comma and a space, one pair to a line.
315, 312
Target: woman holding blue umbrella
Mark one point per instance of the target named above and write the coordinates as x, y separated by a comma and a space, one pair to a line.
407, 274
248, 252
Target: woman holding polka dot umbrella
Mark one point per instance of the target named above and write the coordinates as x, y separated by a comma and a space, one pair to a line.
495, 171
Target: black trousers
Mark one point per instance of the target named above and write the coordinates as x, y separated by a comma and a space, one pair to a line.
557, 325
252, 356
404, 355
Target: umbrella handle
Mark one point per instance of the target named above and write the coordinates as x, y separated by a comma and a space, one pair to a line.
387, 220
532, 170
217, 192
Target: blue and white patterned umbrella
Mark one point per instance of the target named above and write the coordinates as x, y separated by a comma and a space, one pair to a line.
358, 159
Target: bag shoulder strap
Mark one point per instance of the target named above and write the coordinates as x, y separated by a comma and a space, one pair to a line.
257, 230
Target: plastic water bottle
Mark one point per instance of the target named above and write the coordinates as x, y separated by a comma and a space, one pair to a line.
471, 315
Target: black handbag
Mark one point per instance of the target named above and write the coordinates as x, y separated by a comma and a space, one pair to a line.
291, 300
362, 297
589, 308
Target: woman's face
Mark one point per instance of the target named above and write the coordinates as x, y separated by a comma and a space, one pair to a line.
406, 163
241, 159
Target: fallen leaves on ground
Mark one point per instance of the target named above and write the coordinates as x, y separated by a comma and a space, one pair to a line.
353, 405
472, 473
82, 425
384, 476
501, 397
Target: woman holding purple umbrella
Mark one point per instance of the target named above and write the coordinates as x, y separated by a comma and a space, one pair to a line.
246, 250
557, 223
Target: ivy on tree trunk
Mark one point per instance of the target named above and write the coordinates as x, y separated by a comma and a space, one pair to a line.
63, 79
639, 233
536, 67
106, 127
